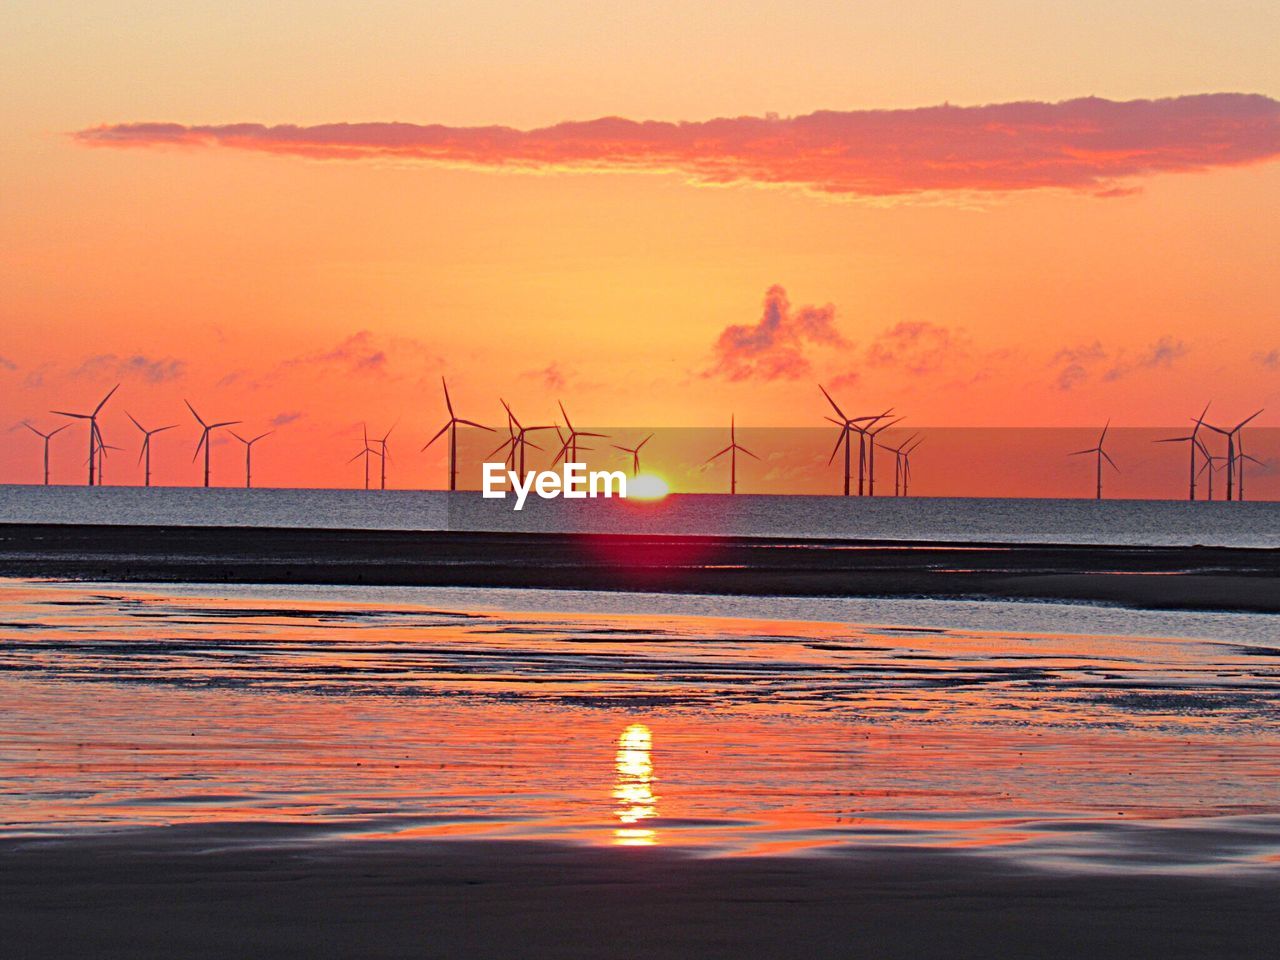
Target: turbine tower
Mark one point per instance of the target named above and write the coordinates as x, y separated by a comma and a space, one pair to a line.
452, 427
635, 454
145, 452
205, 439
847, 426
906, 464
46, 437
1101, 454
899, 473
248, 455
1193, 439
732, 449
366, 452
383, 455
1233, 441
95, 435
871, 431
569, 444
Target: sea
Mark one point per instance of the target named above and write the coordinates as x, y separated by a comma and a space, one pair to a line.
1063, 737
942, 519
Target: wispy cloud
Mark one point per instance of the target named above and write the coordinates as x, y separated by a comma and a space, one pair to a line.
1269, 359
553, 376
1075, 365
7, 364
358, 353
773, 347
139, 366
1088, 144
916, 347
281, 419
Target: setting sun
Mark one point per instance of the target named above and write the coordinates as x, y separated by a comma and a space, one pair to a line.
647, 486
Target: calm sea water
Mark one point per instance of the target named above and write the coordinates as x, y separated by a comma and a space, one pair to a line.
741, 729
1127, 522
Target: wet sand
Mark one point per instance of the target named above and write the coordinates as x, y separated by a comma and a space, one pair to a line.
262, 891
1187, 578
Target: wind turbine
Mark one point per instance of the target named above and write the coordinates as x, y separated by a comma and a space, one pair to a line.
366, 452
732, 449
906, 464
569, 445
1195, 443
517, 439
207, 429
871, 431
452, 427
1233, 438
1209, 461
248, 455
145, 452
46, 437
1101, 454
383, 454
898, 472
848, 425
95, 435
635, 453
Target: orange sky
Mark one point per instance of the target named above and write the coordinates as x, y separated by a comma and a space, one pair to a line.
321, 293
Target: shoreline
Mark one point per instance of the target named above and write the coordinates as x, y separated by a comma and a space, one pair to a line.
271, 890
1169, 578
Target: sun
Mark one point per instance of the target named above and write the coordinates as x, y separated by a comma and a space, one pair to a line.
647, 486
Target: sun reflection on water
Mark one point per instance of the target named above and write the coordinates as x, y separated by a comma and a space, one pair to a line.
634, 787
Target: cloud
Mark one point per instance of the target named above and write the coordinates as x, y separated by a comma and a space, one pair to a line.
358, 353
280, 419
773, 347
1088, 144
150, 369
1160, 354
1078, 364
1270, 359
553, 376
7, 364
917, 347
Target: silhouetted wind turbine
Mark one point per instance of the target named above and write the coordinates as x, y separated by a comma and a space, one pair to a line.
847, 425
898, 454
366, 452
46, 437
205, 439
248, 455
635, 453
95, 435
145, 452
871, 431
569, 444
906, 464
1209, 461
1101, 455
383, 454
452, 427
1232, 436
732, 449
1195, 443
517, 439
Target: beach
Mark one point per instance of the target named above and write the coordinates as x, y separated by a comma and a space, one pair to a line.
277, 770
219, 892
1166, 577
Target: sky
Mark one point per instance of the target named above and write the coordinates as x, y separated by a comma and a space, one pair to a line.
301, 216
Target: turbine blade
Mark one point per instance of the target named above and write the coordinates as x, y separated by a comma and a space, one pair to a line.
720, 454
78, 416
479, 426
643, 442
836, 449
135, 421
1106, 456
1246, 420
99, 407
748, 452
839, 412
447, 402
193, 413
437, 436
